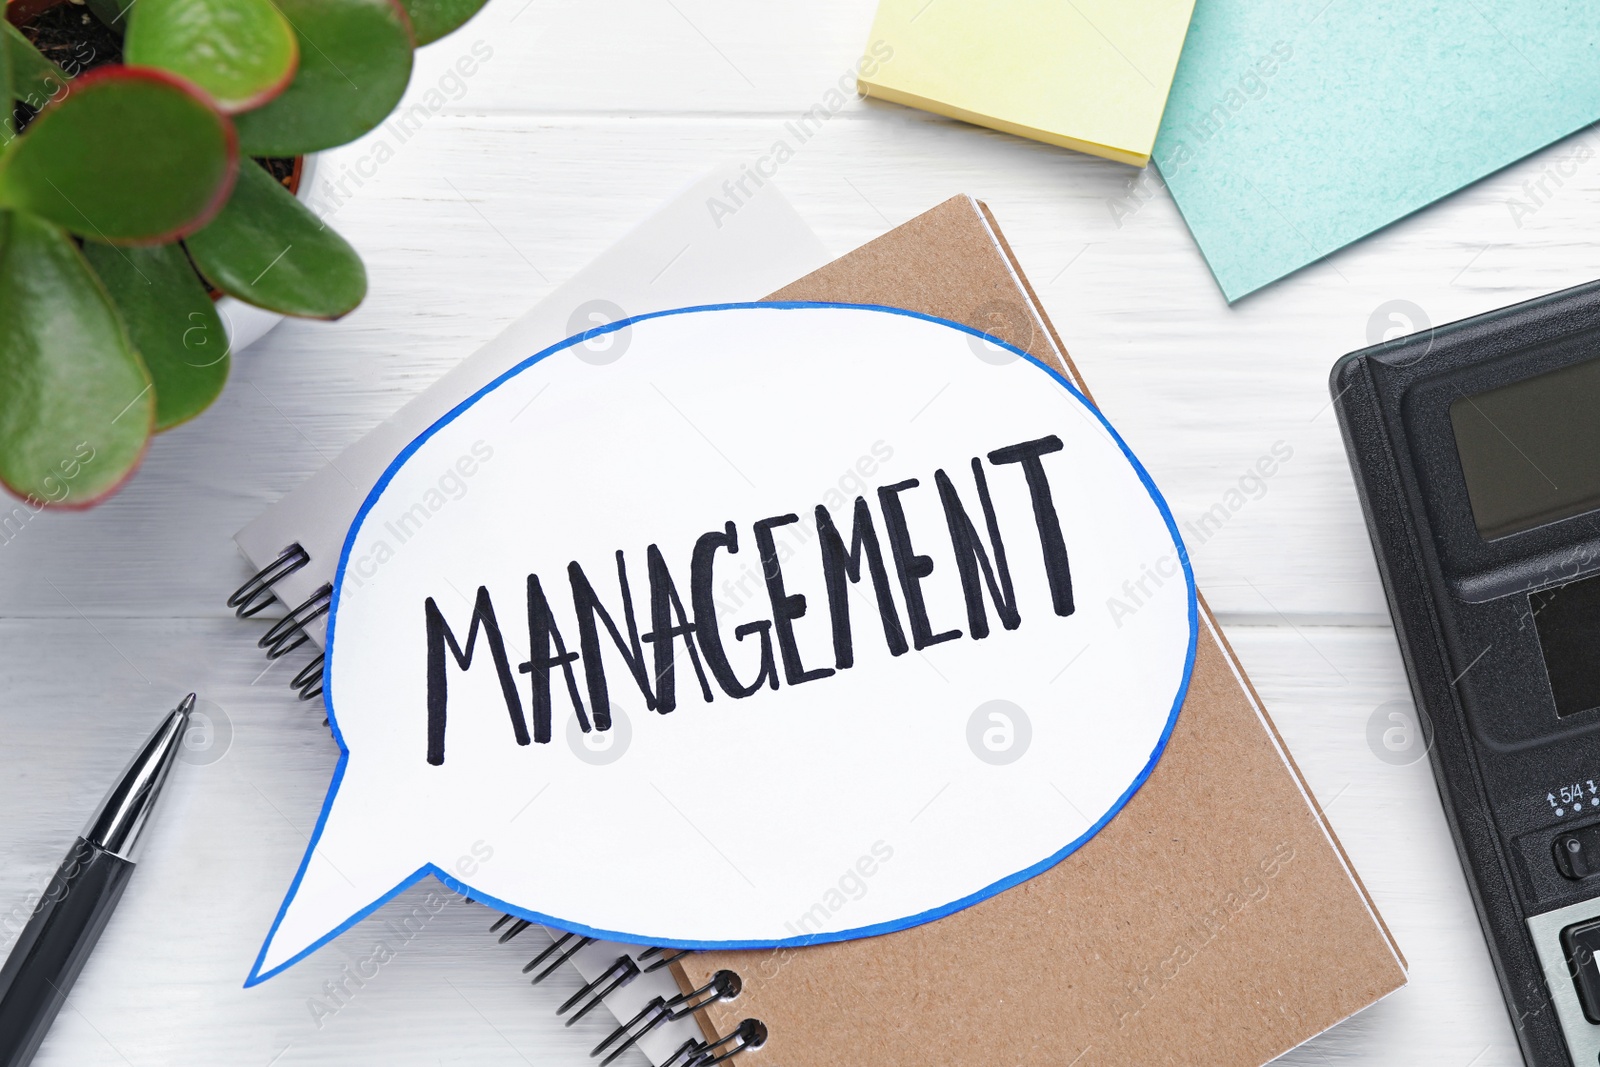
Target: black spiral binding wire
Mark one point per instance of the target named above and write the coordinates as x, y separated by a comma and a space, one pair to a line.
751, 1033
256, 594
560, 951
667, 957
289, 632
594, 994
308, 683
724, 985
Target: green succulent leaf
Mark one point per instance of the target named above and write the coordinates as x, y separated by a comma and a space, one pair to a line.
35, 80
268, 249
77, 405
432, 19
7, 126
128, 155
242, 52
355, 61
172, 321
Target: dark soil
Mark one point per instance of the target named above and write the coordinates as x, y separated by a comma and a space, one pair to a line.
73, 39
70, 36
283, 168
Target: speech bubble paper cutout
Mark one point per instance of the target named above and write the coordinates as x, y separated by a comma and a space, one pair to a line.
745, 626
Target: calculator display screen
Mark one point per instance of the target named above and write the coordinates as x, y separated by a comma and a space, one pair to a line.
1568, 620
1531, 450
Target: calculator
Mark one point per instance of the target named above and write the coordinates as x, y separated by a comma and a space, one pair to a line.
1476, 454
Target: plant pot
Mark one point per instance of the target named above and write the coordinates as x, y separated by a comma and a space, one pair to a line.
246, 324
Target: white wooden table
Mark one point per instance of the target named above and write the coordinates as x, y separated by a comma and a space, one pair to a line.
585, 117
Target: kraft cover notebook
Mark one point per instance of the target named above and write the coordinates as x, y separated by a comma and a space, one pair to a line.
1215, 920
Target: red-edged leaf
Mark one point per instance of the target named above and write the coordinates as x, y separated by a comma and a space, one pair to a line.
268, 249
355, 61
242, 52
128, 155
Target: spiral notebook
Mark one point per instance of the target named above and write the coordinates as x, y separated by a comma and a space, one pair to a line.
1216, 920
682, 254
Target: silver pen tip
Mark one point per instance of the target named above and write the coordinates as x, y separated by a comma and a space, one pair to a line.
117, 823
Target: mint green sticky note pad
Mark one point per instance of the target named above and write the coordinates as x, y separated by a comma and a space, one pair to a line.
1297, 126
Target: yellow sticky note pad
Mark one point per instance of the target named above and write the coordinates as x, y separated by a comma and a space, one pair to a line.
1091, 75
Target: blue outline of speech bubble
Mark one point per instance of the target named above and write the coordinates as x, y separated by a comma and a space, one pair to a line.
257, 976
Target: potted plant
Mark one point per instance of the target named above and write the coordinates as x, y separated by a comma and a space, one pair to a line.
137, 186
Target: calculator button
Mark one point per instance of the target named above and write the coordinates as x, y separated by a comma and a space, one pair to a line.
1577, 853
1582, 945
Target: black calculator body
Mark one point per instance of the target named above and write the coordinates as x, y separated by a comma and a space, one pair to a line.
1476, 453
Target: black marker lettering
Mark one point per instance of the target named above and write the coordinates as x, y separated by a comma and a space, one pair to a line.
981, 565
971, 557
664, 604
440, 637
705, 618
839, 565
786, 607
1044, 514
587, 604
542, 632
911, 567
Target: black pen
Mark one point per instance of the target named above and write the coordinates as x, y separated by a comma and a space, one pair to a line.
80, 898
